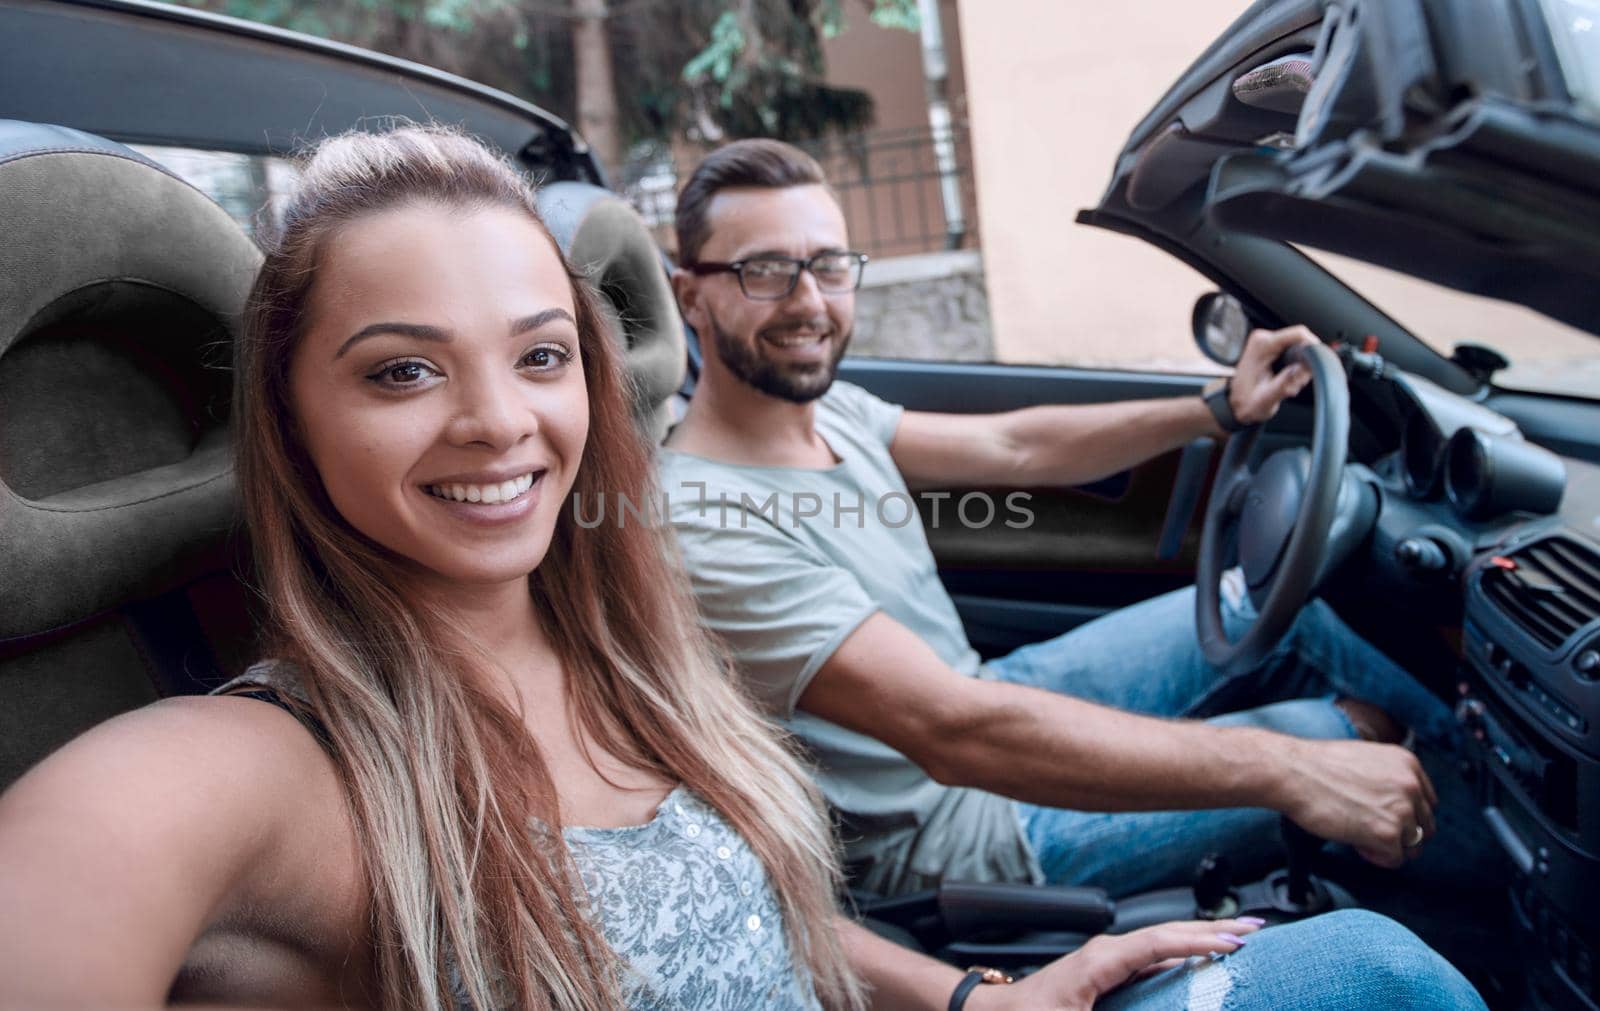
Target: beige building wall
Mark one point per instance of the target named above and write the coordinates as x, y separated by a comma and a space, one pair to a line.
887, 64
889, 186
1054, 89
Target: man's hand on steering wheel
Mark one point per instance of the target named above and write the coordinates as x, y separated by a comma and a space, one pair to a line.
1274, 520
1374, 797
1255, 390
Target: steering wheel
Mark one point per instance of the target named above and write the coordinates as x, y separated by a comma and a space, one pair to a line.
1282, 513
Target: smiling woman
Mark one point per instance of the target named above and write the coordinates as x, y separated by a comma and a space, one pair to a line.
440, 343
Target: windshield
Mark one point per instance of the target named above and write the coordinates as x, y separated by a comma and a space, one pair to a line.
1575, 30
1546, 356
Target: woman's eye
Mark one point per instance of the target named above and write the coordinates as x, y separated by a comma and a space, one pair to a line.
547, 358
401, 374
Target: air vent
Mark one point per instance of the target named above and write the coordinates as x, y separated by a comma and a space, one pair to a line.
1551, 588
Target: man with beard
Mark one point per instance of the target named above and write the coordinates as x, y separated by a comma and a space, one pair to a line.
1083, 759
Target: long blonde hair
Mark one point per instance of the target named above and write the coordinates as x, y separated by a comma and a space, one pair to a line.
443, 781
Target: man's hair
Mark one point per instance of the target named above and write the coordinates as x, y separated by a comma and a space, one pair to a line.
769, 164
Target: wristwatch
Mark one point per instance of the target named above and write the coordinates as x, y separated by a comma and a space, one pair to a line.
1215, 394
976, 976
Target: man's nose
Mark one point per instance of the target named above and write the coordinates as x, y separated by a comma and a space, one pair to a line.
492, 411
807, 295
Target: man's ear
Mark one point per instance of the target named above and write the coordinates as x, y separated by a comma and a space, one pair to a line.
686, 287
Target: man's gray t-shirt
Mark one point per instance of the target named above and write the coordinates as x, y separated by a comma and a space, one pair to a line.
786, 563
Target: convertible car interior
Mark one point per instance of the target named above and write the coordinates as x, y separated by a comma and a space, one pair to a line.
1451, 520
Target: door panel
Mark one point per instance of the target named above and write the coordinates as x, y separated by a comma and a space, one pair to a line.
1084, 550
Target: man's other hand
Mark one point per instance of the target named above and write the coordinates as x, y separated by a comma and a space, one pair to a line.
1374, 797
1257, 391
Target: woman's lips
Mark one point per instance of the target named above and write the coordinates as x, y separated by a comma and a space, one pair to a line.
496, 509
487, 493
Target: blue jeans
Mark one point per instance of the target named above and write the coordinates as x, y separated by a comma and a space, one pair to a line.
1347, 959
1146, 658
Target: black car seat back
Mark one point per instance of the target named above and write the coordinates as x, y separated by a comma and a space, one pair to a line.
121, 288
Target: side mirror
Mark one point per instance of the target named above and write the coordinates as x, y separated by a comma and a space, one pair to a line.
1220, 327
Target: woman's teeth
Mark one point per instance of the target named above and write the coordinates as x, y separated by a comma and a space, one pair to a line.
488, 494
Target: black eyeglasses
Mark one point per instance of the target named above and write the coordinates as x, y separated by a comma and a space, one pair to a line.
770, 278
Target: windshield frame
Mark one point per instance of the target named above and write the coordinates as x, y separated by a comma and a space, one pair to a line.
1464, 302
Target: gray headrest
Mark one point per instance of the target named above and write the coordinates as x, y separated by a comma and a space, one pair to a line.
120, 290
606, 238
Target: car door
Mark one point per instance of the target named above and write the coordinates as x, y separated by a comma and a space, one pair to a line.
1026, 563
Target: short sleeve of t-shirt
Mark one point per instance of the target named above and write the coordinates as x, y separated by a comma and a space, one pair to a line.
782, 608
853, 407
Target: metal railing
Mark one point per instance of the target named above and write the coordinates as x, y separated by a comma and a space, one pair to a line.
888, 182
889, 186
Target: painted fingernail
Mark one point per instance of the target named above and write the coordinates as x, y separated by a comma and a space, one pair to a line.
1254, 921
1233, 939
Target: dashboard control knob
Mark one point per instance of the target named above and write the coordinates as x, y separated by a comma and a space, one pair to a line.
1588, 664
1422, 554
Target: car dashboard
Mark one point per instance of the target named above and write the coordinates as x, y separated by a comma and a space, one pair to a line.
1494, 533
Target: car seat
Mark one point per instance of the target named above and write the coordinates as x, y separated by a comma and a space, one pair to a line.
120, 289
606, 239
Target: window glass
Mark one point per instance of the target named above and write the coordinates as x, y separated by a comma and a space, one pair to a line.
246, 186
1130, 308
1546, 356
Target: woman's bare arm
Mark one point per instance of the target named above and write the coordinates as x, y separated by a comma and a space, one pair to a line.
904, 980
119, 849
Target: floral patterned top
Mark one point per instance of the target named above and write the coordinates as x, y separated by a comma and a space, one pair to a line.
686, 903
681, 899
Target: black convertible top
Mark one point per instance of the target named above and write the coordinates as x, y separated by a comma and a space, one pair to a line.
151, 73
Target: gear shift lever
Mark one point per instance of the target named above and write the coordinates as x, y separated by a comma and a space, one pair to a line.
1213, 888
1302, 848
1287, 894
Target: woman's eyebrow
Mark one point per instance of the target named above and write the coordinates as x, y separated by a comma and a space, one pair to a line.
539, 319
421, 331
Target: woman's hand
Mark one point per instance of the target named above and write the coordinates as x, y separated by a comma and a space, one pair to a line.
1074, 982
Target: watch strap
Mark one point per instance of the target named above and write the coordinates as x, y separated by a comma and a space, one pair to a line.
970, 982
1222, 409
976, 975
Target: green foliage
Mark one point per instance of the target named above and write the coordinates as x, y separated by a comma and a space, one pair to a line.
680, 66
716, 59
832, 21
363, 22
901, 14
454, 15
773, 84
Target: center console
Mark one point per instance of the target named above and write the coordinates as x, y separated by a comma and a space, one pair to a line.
1530, 701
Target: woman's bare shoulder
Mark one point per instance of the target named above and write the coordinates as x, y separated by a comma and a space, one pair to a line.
208, 746
214, 783
126, 843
